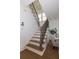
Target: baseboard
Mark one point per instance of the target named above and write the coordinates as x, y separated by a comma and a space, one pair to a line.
23, 48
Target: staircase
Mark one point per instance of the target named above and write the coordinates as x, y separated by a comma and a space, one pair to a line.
34, 44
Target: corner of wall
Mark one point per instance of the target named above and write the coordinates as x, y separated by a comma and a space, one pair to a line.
23, 48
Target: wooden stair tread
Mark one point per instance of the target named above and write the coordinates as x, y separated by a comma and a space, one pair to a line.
37, 34
35, 47
36, 41
38, 37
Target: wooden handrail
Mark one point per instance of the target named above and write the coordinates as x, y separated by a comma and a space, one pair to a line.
36, 14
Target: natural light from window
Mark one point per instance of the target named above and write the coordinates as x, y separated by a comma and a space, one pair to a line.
42, 17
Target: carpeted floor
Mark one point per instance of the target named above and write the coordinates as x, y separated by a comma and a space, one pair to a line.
50, 53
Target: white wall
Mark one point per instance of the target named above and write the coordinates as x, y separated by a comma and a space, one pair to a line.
29, 28
26, 2
54, 23
50, 7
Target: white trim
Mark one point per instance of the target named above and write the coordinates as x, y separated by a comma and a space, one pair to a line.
37, 39
23, 48
36, 51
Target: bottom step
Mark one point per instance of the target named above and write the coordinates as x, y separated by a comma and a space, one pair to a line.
36, 51
35, 47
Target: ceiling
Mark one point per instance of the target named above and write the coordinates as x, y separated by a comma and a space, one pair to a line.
26, 2
50, 7
38, 6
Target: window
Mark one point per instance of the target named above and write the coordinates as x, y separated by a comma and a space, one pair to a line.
42, 17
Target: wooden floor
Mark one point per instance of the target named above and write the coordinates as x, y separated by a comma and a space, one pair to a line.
50, 53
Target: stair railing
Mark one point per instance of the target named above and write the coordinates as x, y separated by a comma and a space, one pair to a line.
43, 31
